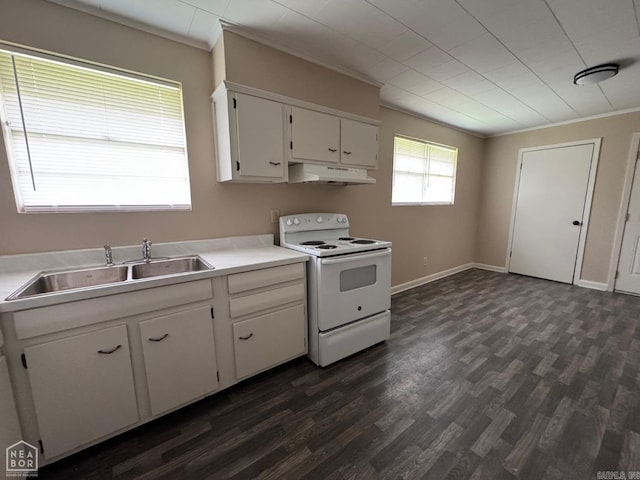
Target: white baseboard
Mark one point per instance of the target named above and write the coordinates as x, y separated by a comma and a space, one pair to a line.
491, 268
430, 278
593, 285
445, 273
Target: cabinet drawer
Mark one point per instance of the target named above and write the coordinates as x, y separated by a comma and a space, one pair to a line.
179, 357
241, 282
268, 340
55, 318
82, 388
240, 306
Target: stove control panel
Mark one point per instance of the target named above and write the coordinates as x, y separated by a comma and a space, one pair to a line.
313, 221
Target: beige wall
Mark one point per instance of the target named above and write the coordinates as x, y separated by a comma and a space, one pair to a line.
219, 210
219, 63
500, 158
444, 234
259, 66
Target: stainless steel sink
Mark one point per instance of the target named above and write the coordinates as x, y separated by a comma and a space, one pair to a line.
51, 282
68, 280
170, 266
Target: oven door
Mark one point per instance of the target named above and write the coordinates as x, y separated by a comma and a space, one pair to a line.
353, 286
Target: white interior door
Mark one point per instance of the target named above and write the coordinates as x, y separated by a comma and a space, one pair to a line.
629, 265
549, 211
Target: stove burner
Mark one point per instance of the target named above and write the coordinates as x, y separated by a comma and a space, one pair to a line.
313, 242
346, 239
363, 242
327, 247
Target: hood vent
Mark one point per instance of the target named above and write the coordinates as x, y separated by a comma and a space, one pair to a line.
309, 173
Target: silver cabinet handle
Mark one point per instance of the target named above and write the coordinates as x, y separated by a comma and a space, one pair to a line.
346, 153
333, 150
247, 337
159, 339
109, 352
274, 163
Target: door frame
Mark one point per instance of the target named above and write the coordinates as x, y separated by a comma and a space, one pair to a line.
623, 209
577, 272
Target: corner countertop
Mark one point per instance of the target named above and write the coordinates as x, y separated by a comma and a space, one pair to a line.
226, 255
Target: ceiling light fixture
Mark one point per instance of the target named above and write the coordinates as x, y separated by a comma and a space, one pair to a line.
596, 74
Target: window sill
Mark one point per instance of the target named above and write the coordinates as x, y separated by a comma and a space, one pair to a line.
419, 204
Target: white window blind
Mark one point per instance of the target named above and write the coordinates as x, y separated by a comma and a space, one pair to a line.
80, 138
423, 173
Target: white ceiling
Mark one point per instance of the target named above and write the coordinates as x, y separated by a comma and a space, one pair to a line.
488, 66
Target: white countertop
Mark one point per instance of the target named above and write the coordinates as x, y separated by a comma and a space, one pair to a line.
226, 255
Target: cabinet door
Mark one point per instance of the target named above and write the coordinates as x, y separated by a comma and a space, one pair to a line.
82, 388
268, 340
260, 137
359, 145
179, 357
315, 136
9, 428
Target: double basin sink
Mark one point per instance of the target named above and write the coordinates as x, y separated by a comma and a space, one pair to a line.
51, 282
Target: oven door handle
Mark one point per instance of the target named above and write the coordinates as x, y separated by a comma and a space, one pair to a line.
350, 257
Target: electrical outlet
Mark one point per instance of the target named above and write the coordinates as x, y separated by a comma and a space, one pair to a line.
425, 261
275, 215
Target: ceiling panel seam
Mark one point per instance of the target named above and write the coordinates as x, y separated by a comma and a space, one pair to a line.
520, 60
471, 69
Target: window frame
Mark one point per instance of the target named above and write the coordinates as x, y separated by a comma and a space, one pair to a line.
424, 175
10, 149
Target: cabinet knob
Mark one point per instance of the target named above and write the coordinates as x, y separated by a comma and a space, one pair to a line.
247, 337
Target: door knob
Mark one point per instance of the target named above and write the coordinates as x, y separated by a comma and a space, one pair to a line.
577, 222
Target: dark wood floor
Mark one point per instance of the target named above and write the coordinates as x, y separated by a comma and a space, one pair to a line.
486, 376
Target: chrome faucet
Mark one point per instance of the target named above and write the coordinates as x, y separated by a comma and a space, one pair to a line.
108, 255
146, 250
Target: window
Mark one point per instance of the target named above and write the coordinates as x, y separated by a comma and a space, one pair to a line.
81, 137
423, 173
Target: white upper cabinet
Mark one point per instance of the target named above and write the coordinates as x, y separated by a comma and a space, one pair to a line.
314, 136
259, 133
249, 138
322, 138
359, 144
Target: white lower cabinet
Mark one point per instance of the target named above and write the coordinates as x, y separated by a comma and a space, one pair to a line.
9, 427
267, 309
84, 371
82, 388
269, 339
179, 357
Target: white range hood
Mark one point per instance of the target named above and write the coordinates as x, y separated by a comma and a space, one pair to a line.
309, 173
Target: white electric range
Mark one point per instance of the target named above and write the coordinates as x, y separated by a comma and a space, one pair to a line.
349, 284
